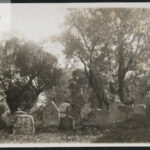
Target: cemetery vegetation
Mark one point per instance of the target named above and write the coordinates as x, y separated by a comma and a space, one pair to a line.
107, 54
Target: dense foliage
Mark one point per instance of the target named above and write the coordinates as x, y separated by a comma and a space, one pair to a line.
25, 71
112, 47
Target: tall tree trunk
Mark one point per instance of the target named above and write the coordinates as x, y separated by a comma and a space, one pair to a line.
121, 89
121, 73
99, 98
97, 88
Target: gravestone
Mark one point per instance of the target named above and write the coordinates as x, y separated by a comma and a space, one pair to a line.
37, 115
113, 111
51, 116
67, 122
124, 113
19, 112
24, 125
37, 110
140, 109
86, 109
45, 111
121, 112
64, 109
100, 117
75, 112
117, 113
105, 117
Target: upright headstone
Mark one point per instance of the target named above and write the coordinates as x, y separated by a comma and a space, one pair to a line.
75, 112
51, 116
125, 112
116, 113
64, 109
86, 109
113, 109
36, 112
140, 109
105, 117
18, 113
24, 125
100, 117
67, 122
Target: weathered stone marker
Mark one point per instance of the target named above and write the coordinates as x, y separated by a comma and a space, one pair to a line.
67, 122
86, 109
24, 124
75, 112
50, 115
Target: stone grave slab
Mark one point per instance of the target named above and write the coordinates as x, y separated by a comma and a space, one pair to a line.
86, 109
67, 123
51, 116
24, 125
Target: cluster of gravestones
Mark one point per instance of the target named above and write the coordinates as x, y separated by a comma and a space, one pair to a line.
118, 112
26, 123
65, 119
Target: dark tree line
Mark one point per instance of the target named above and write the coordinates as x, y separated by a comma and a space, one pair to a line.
109, 43
110, 47
25, 71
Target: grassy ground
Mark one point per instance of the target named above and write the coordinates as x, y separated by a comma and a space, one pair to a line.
134, 130
61, 137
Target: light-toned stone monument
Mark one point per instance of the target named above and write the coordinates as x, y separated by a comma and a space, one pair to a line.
24, 125
86, 109
67, 122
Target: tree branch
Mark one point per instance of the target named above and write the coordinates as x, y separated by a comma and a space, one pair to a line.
85, 43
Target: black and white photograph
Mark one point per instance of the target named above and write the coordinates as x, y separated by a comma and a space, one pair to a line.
74, 74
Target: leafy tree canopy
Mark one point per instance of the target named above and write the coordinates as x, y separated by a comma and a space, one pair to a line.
25, 71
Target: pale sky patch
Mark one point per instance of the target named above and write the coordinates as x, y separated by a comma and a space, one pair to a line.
38, 22
5, 18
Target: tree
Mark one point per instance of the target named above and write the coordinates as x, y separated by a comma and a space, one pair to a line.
109, 43
85, 41
60, 93
130, 38
25, 71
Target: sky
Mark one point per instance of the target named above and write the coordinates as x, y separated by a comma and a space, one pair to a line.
35, 22
38, 22
5, 18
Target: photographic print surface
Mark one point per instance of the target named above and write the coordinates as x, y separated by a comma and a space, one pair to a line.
74, 73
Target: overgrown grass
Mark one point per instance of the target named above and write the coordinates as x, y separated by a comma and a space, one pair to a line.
136, 129
58, 137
